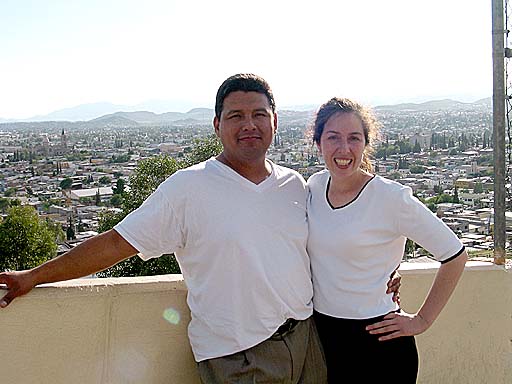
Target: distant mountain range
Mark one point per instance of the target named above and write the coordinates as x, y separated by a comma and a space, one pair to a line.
436, 105
118, 114
145, 117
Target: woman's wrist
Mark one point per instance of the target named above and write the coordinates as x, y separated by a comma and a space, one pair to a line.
427, 323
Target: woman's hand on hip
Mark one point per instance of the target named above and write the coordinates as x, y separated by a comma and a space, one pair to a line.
398, 324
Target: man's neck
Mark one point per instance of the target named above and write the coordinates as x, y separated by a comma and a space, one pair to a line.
255, 170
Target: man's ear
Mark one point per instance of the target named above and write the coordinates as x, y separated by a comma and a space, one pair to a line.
275, 122
319, 149
216, 125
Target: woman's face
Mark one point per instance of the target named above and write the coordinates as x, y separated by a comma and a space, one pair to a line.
342, 144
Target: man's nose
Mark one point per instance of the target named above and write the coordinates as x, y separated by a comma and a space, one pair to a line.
249, 124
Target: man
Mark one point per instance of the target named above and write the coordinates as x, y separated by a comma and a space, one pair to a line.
237, 224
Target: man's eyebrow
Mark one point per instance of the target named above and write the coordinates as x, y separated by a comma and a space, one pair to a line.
229, 111
350, 133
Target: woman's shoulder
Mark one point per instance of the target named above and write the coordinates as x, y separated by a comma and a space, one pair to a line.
318, 177
390, 186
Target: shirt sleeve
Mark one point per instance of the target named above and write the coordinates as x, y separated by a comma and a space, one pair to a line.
419, 224
153, 228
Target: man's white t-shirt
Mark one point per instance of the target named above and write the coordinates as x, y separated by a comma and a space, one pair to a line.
241, 248
355, 248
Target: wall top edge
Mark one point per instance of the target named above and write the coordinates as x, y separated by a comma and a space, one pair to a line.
411, 267
176, 282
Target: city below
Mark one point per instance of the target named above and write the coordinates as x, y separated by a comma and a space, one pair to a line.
69, 171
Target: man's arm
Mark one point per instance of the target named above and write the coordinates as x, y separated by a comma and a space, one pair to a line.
93, 255
393, 285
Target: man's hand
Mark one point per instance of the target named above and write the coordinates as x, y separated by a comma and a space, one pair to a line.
18, 284
398, 324
394, 286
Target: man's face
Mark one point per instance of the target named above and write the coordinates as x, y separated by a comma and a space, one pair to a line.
246, 126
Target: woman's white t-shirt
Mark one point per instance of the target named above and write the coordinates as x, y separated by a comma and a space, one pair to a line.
355, 248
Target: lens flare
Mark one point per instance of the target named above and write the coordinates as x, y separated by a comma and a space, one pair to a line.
172, 316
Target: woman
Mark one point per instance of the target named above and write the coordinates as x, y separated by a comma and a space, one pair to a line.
358, 226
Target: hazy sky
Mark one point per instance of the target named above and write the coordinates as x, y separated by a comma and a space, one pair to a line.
61, 53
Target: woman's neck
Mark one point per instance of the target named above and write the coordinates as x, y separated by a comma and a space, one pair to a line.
343, 190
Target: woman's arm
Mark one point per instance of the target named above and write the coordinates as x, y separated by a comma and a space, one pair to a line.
403, 324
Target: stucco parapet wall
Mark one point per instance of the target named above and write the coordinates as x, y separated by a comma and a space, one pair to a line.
98, 331
114, 330
117, 285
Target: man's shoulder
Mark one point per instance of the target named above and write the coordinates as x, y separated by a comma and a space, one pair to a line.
197, 169
187, 176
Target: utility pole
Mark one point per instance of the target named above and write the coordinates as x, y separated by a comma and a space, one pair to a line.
498, 103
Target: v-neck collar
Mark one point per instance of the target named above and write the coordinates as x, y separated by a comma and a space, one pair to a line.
351, 201
234, 175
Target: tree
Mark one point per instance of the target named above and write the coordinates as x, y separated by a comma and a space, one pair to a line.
442, 198
97, 198
119, 187
4, 204
70, 231
417, 169
203, 149
486, 139
404, 146
104, 180
147, 176
417, 147
135, 266
410, 249
25, 240
432, 207
455, 196
120, 158
381, 152
10, 192
116, 200
66, 183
